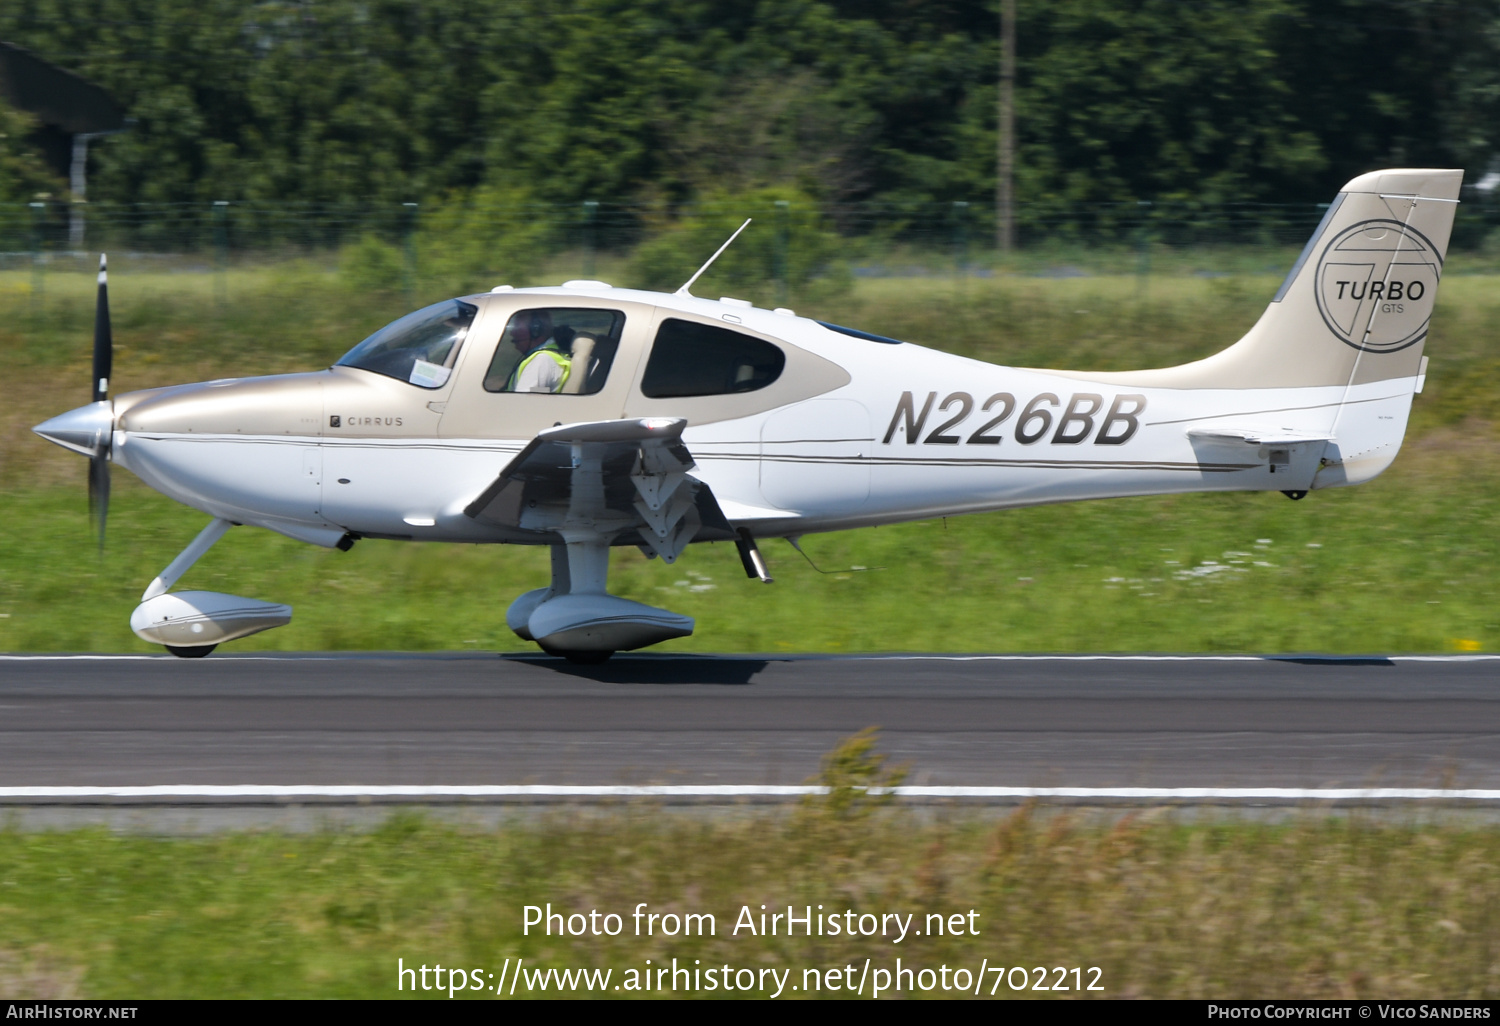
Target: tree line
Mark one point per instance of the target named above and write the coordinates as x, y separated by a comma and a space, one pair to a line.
658, 103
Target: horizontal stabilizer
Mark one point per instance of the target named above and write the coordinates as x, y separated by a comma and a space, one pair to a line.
1290, 457
1254, 436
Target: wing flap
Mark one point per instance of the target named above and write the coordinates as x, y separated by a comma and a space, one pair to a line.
628, 479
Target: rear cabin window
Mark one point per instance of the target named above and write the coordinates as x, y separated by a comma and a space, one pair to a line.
689, 358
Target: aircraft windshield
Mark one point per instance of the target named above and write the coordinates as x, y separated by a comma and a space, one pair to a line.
419, 348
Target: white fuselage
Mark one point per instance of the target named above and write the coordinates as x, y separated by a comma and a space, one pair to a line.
914, 433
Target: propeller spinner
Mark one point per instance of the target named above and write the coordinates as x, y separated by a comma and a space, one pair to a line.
90, 429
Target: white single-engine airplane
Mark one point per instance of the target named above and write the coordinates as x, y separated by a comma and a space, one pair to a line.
586, 416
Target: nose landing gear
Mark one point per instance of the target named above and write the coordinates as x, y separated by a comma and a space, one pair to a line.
191, 624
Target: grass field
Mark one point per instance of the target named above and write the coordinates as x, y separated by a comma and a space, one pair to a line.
1325, 907
1401, 564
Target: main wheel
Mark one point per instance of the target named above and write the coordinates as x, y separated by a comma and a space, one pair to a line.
578, 658
191, 651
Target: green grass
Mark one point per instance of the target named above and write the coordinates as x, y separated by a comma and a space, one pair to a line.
1332, 907
1401, 564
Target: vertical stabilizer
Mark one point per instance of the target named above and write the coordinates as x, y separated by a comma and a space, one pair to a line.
1356, 304
1345, 330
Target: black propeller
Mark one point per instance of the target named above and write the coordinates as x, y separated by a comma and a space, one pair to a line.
104, 358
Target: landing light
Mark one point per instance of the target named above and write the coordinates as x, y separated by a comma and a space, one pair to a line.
420, 521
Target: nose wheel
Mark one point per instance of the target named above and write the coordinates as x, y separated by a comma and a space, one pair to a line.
190, 651
191, 624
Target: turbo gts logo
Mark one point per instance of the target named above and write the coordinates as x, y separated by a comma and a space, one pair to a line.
1069, 424
1372, 280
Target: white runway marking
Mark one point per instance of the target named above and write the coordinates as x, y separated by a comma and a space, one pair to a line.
784, 657
59, 658
519, 791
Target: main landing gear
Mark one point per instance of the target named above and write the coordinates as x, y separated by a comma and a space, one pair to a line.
574, 616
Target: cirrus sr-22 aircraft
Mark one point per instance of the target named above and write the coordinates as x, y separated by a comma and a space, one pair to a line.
583, 417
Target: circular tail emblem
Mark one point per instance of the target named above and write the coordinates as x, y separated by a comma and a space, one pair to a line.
1375, 285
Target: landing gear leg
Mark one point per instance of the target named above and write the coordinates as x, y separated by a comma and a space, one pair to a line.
581, 620
518, 616
186, 558
179, 566
585, 558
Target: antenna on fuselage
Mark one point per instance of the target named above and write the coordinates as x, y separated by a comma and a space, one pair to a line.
684, 290
795, 541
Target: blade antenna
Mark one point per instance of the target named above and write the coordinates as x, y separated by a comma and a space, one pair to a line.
684, 290
794, 542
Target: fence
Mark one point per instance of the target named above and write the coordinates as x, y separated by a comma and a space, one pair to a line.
961, 232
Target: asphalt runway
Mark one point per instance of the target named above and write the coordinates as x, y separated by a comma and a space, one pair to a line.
1093, 722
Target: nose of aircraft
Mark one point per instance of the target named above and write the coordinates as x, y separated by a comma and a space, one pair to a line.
86, 430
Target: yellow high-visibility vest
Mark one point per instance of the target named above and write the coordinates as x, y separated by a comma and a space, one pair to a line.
549, 348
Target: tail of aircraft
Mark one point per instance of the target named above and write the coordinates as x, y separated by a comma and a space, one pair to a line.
1351, 317
1356, 304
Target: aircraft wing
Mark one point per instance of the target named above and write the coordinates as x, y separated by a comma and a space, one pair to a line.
626, 478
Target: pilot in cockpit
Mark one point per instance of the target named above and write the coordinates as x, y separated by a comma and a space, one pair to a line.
546, 354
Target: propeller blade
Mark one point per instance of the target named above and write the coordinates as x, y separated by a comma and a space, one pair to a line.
104, 360
99, 494
104, 344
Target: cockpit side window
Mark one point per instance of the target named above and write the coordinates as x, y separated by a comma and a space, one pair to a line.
689, 358
556, 350
419, 348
